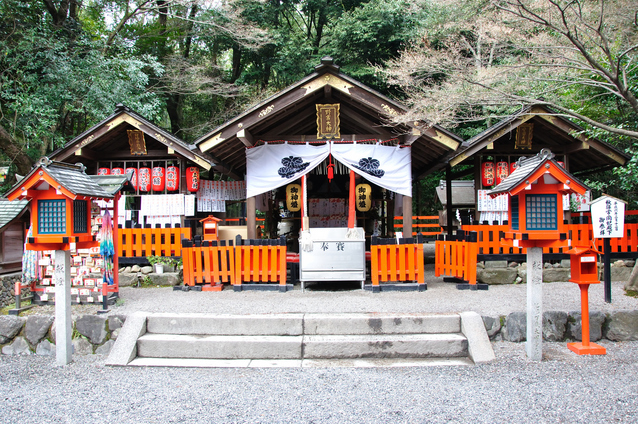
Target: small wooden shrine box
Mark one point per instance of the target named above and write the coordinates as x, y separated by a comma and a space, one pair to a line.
60, 196
210, 225
584, 265
536, 190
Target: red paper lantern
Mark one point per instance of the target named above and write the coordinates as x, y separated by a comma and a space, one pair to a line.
117, 171
488, 174
144, 179
172, 178
192, 179
513, 167
133, 172
159, 178
103, 171
502, 171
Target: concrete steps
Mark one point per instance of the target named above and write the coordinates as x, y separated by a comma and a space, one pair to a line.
297, 340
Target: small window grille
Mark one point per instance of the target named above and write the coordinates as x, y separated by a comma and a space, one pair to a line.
514, 204
541, 212
80, 224
51, 216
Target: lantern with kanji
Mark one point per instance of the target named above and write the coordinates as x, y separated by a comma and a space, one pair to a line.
104, 171
488, 174
172, 178
117, 171
363, 199
144, 178
502, 171
159, 178
513, 167
133, 172
192, 179
293, 197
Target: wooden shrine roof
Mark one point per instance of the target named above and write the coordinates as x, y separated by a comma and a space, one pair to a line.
108, 140
556, 133
290, 115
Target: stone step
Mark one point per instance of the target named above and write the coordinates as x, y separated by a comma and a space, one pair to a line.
385, 346
297, 324
302, 347
244, 325
218, 347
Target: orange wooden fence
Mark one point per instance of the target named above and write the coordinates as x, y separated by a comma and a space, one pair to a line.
426, 225
456, 256
396, 262
208, 263
142, 242
260, 261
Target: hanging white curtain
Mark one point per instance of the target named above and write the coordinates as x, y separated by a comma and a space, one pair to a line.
389, 167
274, 165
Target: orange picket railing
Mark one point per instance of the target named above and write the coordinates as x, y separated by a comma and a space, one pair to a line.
142, 242
421, 224
260, 261
396, 262
456, 256
208, 263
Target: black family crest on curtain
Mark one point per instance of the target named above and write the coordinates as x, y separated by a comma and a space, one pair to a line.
292, 165
370, 166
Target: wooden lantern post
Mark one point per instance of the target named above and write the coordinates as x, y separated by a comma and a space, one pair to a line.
536, 190
59, 197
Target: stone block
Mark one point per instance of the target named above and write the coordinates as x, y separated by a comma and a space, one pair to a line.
515, 327
10, 326
105, 349
18, 347
492, 326
622, 326
127, 280
146, 270
630, 263
551, 275
618, 274
632, 281
115, 322
566, 263
136, 268
115, 333
92, 327
166, 279
45, 348
554, 325
82, 346
574, 326
495, 276
37, 328
495, 264
125, 270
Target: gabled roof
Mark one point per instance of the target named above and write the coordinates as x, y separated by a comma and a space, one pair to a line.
10, 210
113, 183
291, 115
69, 179
103, 140
531, 169
553, 132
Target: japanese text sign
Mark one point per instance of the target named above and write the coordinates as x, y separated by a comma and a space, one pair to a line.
608, 217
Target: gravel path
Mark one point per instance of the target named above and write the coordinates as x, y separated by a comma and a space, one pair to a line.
564, 388
440, 297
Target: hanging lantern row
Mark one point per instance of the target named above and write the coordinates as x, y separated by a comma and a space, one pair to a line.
133, 172
172, 178
487, 174
144, 179
494, 174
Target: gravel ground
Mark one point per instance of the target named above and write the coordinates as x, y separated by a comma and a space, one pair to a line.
440, 297
564, 388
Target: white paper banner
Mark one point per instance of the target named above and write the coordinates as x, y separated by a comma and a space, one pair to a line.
274, 165
389, 167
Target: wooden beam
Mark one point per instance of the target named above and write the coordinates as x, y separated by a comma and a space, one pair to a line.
246, 137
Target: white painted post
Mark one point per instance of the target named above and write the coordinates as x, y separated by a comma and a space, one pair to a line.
534, 345
63, 324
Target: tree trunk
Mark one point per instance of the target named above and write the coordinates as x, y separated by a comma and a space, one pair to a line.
12, 150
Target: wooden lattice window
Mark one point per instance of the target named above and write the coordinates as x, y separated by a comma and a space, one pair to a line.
80, 224
541, 212
515, 211
51, 216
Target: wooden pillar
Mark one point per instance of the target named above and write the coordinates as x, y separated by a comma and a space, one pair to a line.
407, 216
251, 218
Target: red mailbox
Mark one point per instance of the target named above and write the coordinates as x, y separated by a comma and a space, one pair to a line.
210, 224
